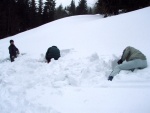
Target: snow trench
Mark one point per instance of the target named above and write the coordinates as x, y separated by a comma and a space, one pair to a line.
28, 75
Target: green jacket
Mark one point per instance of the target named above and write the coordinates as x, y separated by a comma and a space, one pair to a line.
53, 52
131, 53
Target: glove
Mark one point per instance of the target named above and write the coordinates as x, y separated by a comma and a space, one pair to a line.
110, 78
17, 52
120, 61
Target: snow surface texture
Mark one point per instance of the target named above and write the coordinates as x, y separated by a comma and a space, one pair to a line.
77, 83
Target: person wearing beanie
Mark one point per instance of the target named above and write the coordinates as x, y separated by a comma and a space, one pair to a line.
135, 59
52, 52
13, 51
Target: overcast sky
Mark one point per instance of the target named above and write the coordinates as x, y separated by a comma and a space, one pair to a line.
67, 2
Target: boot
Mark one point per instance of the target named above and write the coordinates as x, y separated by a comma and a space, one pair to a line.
110, 78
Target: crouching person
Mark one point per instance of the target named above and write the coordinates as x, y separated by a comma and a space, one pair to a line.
52, 52
13, 51
134, 60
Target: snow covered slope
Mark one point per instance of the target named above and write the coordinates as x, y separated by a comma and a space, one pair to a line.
77, 83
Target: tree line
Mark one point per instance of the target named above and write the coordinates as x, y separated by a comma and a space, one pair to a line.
20, 15
114, 7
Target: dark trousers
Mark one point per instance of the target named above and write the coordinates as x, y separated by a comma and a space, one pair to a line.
12, 58
49, 59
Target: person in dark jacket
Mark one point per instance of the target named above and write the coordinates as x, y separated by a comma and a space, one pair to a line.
13, 51
52, 52
135, 59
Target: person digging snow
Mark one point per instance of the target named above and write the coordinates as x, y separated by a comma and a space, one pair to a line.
52, 52
134, 60
13, 51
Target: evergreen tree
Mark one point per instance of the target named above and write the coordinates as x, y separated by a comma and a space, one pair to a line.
113, 7
90, 10
14, 19
49, 11
23, 14
40, 9
40, 12
95, 8
33, 6
60, 12
72, 8
82, 7
8, 20
3, 19
33, 14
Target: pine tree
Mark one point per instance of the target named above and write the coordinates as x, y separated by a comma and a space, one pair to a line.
33, 5
40, 9
33, 14
9, 21
60, 12
3, 19
23, 14
90, 10
82, 7
95, 8
40, 12
100, 7
49, 11
113, 7
72, 8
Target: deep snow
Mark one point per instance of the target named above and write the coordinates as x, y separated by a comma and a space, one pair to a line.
77, 83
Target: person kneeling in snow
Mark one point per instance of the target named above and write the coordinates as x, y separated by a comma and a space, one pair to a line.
13, 51
134, 60
52, 52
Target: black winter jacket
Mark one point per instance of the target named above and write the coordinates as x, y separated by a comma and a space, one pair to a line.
53, 52
13, 51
